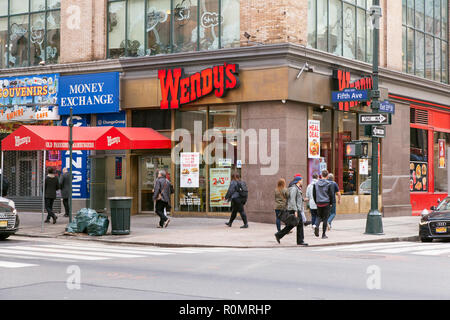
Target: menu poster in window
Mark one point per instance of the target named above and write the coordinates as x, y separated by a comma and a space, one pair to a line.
364, 166
442, 164
219, 182
189, 169
313, 139
418, 173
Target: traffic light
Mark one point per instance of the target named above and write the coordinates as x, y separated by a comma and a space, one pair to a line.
357, 149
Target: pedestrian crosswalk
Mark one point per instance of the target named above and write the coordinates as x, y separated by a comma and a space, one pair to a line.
413, 248
86, 252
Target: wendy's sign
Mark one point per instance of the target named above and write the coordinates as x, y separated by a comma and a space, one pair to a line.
176, 89
341, 81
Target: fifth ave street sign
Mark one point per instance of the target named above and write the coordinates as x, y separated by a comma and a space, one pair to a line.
374, 118
350, 94
379, 132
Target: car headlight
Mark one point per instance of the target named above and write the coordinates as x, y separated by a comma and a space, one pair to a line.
423, 222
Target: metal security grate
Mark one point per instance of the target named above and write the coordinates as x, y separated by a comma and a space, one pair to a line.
419, 116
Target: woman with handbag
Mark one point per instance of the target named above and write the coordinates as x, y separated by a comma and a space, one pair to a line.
281, 198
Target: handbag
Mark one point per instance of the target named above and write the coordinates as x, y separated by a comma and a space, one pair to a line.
288, 219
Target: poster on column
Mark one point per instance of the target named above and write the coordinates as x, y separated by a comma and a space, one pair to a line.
219, 182
313, 139
442, 163
189, 169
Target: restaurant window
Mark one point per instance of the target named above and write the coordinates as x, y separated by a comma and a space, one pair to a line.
425, 38
156, 119
151, 27
419, 145
418, 167
441, 144
341, 27
29, 32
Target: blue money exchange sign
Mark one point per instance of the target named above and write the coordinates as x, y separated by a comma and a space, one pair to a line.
89, 93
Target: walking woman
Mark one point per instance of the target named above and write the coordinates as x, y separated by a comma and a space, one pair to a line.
237, 203
51, 186
281, 198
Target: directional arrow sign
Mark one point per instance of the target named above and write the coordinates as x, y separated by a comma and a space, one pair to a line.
379, 132
374, 118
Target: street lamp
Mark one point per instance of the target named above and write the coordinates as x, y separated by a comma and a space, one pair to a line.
374, 223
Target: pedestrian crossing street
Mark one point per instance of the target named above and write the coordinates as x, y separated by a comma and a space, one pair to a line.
409, 248
85, 252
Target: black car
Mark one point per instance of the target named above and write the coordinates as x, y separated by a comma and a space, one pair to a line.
436, 224
9, 219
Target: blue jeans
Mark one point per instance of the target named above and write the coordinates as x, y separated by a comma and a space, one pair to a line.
278, 221
332, 213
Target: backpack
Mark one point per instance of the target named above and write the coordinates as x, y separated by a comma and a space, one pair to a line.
243, 191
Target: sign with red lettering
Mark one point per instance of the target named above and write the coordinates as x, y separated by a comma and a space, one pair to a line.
442, 153
342, 81
313, 139
176, 89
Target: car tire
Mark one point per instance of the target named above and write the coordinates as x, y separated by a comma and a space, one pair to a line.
426, 239
4, 237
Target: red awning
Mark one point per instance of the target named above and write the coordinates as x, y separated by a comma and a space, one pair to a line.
29, 138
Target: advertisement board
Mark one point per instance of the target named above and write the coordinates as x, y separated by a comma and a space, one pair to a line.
189, 169
219, 182
313, 139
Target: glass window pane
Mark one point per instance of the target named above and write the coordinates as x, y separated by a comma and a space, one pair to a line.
361, 30
429, 21
420, 54
441, 162
3, 7
369, 30
135, 28
429, 58
185, 25
231, 27
18, 7
53, 36
312, 23
362, 3
53, 4
37, 5
444, 19
349, 31
156, 119
437, 18
404, 49
209, 24
158, 26
445, 62
116, 31
18, 56
404, 11
37, 38
410, 12
335, 42
419, 145
3, 42
437, 60
322, 27
410, 52
420, 14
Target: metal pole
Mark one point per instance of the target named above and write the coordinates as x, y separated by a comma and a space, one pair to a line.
374, 224
70, 164
43, 190
2, 175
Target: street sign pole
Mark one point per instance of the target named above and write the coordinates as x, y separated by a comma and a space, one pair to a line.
374, 224
70, 164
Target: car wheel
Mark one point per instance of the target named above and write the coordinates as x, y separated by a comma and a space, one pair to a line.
426, 239
3, 237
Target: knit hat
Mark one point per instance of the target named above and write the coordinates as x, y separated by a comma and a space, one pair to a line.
297, 178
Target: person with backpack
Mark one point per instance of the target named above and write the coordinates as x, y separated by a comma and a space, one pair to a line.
322, 195
310, 199
237, 193
161, 195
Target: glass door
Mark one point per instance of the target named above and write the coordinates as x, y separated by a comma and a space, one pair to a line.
149, 167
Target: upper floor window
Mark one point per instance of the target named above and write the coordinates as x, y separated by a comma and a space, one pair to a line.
425, 38
341, 27
29, 32
149, 27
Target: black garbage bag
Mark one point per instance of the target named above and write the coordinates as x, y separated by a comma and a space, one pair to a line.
84, 217
98, 226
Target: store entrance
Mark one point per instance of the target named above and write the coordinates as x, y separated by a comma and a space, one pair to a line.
149, 167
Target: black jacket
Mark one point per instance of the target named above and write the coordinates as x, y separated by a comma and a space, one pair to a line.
51, 185
64, 184
5, 186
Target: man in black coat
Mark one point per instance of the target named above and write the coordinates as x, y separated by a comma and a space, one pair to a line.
51, 186
64, 182
161, 197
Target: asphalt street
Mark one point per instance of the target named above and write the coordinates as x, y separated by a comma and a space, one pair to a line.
46, 269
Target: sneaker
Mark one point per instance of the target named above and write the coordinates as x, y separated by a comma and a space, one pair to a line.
245, 226
166, 223
313, 226
307, 223
316, 231
324, 237
276, 237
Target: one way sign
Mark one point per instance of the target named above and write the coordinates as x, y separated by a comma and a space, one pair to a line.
379, 132
374, 118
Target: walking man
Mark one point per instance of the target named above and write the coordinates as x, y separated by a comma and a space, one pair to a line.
161, 195
295, 208
64, 182
237, 201
51, 186
310, 198
322, 197
334, 191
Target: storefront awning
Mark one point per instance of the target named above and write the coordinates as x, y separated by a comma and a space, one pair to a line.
31, 138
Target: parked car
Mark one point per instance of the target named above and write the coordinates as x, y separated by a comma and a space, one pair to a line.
366, 187
435, 224
9, 219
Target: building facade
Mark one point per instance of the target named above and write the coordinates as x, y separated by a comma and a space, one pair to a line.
271, 42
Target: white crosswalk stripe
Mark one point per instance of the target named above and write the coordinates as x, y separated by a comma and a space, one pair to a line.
87, 252
415, 248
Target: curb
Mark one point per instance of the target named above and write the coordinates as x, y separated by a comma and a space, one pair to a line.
183, 245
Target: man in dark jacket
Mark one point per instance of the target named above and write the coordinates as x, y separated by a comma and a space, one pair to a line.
161, 196
322, 194
64, 182
237, 204
51, 186
5, 185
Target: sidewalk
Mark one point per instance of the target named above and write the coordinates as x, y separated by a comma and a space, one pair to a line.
212, 232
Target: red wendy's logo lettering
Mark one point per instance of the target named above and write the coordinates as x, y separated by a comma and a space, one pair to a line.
177, 90
342, 81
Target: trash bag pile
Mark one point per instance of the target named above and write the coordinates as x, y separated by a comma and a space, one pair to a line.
90, 222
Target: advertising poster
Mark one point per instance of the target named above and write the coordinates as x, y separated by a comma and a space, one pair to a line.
219, 182
418, 180
442, 164
364, 166
189, 169
313, 139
